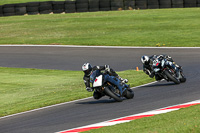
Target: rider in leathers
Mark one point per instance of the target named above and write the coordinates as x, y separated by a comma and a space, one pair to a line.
148, 62
113, 77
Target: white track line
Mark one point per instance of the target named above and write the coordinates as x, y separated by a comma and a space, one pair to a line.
130, 118
63, 103
79, 46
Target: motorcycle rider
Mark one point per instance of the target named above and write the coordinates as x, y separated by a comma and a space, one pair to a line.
112, 77
148, 62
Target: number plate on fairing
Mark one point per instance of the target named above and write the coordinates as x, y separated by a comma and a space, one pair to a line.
98, 81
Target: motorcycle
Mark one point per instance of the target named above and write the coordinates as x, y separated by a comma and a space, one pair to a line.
168, 73
107, 88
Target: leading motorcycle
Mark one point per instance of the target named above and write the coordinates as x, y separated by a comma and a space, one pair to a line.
106, 88
167, 72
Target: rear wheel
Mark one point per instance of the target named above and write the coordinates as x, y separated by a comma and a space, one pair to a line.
111, 94
172, 78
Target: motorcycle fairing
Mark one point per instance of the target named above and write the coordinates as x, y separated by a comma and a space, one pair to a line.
98, 81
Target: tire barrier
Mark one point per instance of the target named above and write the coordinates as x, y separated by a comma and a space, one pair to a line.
72, 6
32, 8
20, 9
117, 4
45, 7
104, 5
1, 11
9, 10
190, 3
129, 4
165, 3
82, 5
153, 4
198, 3
93, 5
58, 6
177, 4
141, 4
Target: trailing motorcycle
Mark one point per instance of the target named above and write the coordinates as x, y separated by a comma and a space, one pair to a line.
106, 88
168, 73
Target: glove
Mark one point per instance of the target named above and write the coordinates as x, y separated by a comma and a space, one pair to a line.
89, 89
125, 81
107, 68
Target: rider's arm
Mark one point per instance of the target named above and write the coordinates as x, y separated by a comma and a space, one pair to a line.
146, 69
87, 84
98, 68
86, 81
107, 69
101, 68
169, 58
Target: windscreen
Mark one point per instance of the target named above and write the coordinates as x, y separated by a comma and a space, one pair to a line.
94, 74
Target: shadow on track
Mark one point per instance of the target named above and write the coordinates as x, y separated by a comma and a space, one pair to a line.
98, 101
161, 84
102, 101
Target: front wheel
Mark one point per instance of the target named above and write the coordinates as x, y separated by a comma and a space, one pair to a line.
129, 94
172, 78
183, 79
111, 94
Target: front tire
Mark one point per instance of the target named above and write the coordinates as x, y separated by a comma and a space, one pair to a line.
183, 79
172, 78
111, 94
129, 94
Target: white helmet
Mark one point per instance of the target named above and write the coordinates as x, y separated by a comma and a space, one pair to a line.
87, 68
145, 59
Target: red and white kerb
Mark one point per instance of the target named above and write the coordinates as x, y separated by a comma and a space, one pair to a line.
130, 118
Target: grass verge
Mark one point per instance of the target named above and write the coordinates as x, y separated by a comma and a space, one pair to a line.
27, 89
185, 120
159, 27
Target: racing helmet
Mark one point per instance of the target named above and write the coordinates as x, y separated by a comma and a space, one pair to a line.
87, 68
145, 59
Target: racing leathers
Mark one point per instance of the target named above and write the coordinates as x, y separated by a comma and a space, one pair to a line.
111, 76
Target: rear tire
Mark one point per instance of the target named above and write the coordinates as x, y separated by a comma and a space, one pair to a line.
111, 94
167, 73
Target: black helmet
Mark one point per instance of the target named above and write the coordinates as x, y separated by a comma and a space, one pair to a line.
87, 68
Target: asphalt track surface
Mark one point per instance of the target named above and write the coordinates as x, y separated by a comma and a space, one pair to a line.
90, 111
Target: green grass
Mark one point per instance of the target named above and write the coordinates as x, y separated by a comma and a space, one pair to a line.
185, 120
3, 2
159, 27
27, 89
